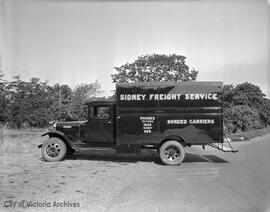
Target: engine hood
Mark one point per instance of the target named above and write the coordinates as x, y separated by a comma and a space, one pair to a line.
70, 123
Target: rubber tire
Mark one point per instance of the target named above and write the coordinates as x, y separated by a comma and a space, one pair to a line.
163, 157
63, 150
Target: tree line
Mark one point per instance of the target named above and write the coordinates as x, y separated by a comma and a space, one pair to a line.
34, 103
245, 108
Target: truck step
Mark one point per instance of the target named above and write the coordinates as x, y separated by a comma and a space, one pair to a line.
224, 147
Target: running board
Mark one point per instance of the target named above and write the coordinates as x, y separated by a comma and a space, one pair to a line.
95, 149
224, 147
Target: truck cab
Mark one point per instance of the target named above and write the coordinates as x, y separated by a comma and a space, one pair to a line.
101, 124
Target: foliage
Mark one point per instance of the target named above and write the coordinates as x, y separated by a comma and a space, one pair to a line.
243, 94
242, 118
34, 103
29, 103
61, 97
155, 67
227, 96
82, 94
3, 100
248, 94
264, 111
245, 107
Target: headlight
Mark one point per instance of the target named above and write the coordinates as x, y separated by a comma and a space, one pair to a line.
52, 124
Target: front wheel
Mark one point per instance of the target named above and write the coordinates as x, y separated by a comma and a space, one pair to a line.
53, 149
172, 153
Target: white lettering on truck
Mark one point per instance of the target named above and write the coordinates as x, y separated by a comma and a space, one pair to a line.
164, 97
147, 123
132, 97
190, 121
198, 96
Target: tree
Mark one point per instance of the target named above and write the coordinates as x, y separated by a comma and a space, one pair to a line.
227, 95
15, 112
3, 99
248, 94
242, 118
264, 112
82, 94
61, 97
155, 67
34, 103
29, 103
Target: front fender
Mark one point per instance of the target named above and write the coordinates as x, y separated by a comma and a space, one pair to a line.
53, 132
61, 135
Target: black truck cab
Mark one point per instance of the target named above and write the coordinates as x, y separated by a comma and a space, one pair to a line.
100, 126
165, 116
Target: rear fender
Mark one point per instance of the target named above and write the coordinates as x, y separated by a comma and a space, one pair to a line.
175, 137
191, 135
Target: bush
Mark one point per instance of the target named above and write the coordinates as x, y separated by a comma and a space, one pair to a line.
241, 118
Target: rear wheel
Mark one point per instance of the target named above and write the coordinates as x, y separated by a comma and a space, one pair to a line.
172, 153
53, 149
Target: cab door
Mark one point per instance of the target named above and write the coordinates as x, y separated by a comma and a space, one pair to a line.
100, 124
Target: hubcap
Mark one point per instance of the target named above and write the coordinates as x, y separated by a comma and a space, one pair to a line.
172, 153
53, 149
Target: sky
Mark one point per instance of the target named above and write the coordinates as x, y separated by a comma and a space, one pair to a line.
80, 41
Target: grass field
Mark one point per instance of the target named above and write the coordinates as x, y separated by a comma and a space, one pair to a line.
20, 141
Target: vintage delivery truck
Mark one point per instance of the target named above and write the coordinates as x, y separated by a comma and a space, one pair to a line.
165, 116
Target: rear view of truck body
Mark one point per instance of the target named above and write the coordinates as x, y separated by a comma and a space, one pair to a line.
150, 113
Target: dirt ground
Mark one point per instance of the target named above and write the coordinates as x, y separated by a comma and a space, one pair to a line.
208, 180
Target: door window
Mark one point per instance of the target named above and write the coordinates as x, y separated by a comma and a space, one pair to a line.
100, 112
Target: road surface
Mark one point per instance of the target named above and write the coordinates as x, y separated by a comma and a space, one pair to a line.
208, 180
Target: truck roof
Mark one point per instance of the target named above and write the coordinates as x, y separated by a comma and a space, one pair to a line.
176, 87
171, 83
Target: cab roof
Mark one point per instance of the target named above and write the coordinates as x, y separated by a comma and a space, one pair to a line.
100, 102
